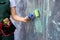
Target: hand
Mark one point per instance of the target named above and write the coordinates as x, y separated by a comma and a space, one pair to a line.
26, 19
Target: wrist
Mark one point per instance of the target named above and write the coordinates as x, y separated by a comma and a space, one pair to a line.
23, 20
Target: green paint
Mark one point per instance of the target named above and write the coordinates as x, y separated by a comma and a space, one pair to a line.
38, 25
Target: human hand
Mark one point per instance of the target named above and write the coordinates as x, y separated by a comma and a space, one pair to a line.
26, 19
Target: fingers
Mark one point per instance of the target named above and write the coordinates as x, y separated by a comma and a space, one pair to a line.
27, 19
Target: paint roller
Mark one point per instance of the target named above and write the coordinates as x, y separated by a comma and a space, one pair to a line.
36, 14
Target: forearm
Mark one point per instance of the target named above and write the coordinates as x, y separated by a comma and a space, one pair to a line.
15, 16
18, 18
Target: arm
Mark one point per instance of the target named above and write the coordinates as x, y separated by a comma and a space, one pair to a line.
16, 17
